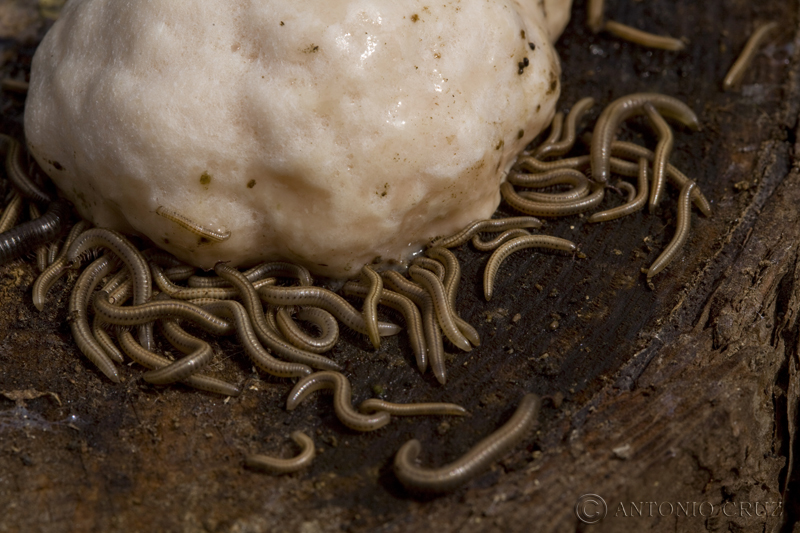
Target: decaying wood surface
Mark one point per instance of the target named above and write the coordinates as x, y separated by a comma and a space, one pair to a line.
682, 397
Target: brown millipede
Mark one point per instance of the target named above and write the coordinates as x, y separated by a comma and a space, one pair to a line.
11, 212
472, 463
266, 334
430, 264
488, 225
275, 465
56, 268
488, 246
564, 176
176, 273
576, 193
514, 245
644, 38
130, 256
370, 310
249, 339
218, 235
122, 292
555, 133
594, 15
678, 178
681, 234
451, 270
342, 398
559, 176
661, 154
451, 280
78, 316
41, 250
177, 292
148, 359
46, 280
621, 109
410, 312
412, 409
271, 316
280, 269
741, 64
198, 354
559, 209
327, 324
105, 341
116, 281
636, 200
52, 252
263, 270
433, 341
441, 306
150, 311
531, 164
327, 300
557, 149
15, 155
630, 190
165, 259
433, 335
14, 85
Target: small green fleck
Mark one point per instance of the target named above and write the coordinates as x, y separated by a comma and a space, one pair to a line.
205, 178
50, 9
251, 184
378, 389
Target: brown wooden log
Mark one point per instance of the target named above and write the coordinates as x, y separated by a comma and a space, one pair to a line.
683, 395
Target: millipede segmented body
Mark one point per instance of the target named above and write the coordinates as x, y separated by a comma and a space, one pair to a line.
15, 170
24, 238
736, 73
472, 463
217, 235
275, 465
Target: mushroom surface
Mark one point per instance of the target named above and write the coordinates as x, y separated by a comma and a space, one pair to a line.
324, 133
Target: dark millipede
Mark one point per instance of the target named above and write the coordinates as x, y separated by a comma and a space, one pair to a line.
25, 237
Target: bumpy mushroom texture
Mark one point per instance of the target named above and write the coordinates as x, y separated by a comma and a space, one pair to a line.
324, 133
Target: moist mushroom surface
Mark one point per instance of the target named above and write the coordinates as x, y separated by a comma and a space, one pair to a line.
329, 135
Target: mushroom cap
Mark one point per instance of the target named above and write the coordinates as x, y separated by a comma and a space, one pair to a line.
329, 134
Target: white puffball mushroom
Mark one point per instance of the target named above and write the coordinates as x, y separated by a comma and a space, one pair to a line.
324, 133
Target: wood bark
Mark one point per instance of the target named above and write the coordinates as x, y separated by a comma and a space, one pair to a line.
684, 395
